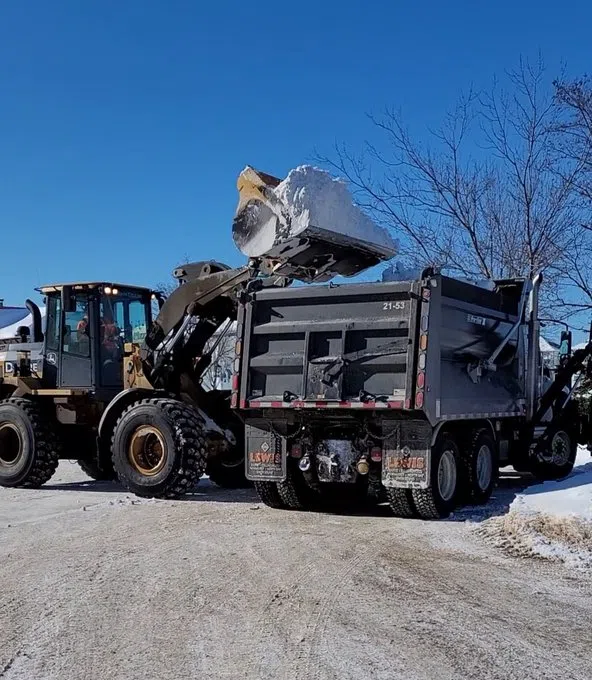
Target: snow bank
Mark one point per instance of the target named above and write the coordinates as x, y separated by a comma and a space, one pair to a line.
552, 520
571, 497
313, 197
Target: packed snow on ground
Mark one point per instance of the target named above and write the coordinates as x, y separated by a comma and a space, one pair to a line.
313, 197
552, 520
571, 497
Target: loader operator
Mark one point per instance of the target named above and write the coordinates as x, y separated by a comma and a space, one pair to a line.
109, 337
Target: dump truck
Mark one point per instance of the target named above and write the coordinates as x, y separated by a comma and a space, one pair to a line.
415, 391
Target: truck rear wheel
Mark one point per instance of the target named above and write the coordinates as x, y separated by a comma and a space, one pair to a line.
294, 490
269, 495
439, 499
159, 448
401, 502
29, 445
561, 455
479, 467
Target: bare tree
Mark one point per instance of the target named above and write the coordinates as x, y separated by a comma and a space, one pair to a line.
489, 195
575, 99
219, 373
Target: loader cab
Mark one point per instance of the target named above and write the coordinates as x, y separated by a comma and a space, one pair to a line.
87, 328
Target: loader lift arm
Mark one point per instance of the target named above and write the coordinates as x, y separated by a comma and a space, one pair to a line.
190, 316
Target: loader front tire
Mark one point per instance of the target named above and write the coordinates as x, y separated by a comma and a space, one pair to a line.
439, 499
159, 448
29, 445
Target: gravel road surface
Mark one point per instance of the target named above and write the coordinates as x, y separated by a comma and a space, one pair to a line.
97, 585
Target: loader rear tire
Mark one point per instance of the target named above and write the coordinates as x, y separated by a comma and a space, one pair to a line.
159, 448
228, 471
269, 495
228, 474
30, 448
99, 473
401, 502
439, 499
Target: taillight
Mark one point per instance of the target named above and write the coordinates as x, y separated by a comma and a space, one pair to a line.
419, 400
296, 451
420, 380
376, 454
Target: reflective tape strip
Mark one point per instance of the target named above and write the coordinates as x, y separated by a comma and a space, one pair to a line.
477, 416
327, 404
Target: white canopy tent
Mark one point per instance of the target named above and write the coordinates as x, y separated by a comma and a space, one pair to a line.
12, 318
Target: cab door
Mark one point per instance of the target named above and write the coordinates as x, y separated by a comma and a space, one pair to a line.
77, 335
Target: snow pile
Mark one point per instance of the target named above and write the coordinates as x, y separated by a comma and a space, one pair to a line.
313, 197
551, 520
560, 539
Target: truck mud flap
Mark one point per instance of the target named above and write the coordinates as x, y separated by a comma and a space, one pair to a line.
406, 454
266, 455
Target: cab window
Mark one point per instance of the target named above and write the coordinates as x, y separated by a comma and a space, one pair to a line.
76, 334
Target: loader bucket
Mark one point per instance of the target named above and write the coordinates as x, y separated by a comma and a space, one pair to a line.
271, 225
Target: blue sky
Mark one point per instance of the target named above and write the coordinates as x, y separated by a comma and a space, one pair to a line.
123, 125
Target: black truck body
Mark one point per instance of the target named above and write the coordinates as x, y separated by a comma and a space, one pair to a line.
337, 383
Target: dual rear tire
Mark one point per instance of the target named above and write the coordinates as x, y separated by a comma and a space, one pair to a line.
458, 474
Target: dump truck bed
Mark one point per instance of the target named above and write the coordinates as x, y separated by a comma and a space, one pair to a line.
400, 345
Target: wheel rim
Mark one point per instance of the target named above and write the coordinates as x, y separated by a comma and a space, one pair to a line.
484, 467
447, 475
147, 451
11, 444
560, 448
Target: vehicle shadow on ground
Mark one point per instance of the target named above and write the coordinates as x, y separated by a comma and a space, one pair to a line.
204, 491
510, 484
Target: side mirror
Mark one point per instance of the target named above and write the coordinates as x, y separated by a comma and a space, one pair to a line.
68, 300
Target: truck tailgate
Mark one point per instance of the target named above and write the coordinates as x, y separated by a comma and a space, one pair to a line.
329, 346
